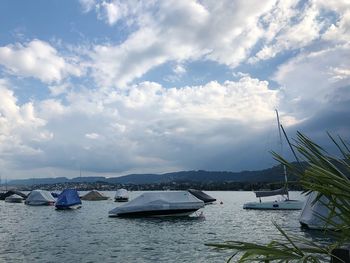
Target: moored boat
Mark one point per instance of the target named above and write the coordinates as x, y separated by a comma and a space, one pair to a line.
14, 199
94, 195
40, 197
284, 203
68, 199
121, 195
317, 216
177, 203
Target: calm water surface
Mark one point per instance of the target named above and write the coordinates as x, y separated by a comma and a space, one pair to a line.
42, 234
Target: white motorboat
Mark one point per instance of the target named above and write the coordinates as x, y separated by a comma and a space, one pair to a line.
14, 199
40, 197
121, 195
284, 203
177, 203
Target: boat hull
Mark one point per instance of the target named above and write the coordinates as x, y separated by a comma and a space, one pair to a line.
13, 200
275, 205
156, 213
71, 207
38, 203
121, 199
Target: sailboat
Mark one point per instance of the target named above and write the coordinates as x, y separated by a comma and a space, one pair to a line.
284, 203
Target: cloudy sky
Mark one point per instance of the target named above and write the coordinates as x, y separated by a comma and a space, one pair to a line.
118, 87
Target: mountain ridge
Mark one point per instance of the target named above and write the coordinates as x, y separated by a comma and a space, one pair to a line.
273, 174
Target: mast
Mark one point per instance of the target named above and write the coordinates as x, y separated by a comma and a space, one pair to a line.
281, 151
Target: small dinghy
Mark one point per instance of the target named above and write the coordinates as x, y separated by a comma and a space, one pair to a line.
121, 195
68, 199
178, 203
207, 199
40, 197
94, 195
14, 199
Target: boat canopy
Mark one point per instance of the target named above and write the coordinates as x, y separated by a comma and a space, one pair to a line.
37, 197
14, 197
12, 192
94, 195
159, 201
281, 191
68, 197
315, 213
202, 196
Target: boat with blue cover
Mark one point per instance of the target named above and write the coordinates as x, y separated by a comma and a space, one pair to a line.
68, 199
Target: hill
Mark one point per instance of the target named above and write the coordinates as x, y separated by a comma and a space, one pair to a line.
274, 174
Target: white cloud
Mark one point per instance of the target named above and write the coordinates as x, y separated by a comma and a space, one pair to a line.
179, 69
179, 31
146, 128
313, 80
20, 126
227, 33
289, 28
87, 5
36, 59
92, 136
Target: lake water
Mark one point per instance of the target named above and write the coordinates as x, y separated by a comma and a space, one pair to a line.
42, 234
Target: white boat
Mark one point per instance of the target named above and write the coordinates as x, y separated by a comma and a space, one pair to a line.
121, 195
284, 203
40, 197
14, 199
315, 212
176, 203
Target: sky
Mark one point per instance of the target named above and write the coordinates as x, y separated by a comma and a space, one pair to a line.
116, 87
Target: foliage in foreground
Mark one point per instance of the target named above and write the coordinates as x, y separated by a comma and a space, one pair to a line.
327, 175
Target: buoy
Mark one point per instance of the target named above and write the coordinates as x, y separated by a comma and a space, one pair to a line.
221, 203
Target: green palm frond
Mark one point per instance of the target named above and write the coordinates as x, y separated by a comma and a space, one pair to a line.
329, 177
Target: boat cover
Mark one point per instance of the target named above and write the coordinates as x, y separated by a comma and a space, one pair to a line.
122, 193
94, 195
281, 191
38, 197
11, 192
68, 197
313, 212
202, 196
14, 197
160, 201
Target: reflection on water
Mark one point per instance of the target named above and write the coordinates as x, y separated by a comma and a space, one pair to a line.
42, 234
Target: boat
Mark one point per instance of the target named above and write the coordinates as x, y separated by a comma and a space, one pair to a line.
315, 213
121, 195
68, 199
12, 192
284, 202
94, 195
207, 199
14, 199
168, 203
40, 197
